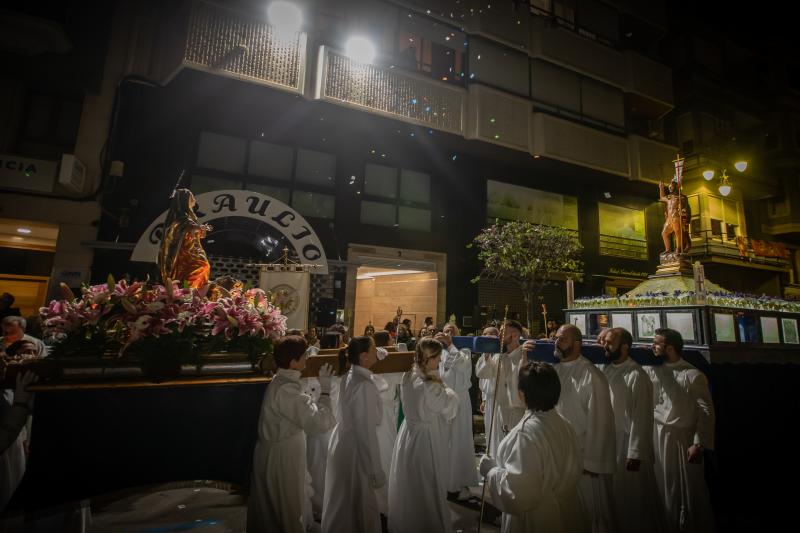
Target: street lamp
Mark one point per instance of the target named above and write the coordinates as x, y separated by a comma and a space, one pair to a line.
286, 18
359, 49
725, 182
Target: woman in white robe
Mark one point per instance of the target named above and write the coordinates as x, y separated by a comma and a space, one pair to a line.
317, 446
418, 479
389, 389
534, 479
456, 371
354, 463
278, 490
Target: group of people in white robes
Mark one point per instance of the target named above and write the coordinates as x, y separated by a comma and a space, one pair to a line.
575, 447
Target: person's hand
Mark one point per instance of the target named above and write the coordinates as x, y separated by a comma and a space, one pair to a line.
529, 346
325, 374
444, 338
382, 353
23, 380
632, 465
482, 408
378, 479
486, 464
695, 453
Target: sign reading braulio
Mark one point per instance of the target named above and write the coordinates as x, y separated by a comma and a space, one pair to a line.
237, 203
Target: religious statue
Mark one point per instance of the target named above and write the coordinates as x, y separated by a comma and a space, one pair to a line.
181, 257
677, 214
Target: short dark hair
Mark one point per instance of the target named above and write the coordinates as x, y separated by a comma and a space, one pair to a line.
381, 337
289, 348
514, 324
625, 336
352, 351
540, 385
671, 338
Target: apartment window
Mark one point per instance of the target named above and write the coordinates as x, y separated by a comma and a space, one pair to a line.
498, 66
778, 207
563, 12
396, 197
567, 93
302, 178
428, 47
724, 216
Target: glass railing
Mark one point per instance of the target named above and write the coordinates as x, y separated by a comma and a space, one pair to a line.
623, 247
707, 243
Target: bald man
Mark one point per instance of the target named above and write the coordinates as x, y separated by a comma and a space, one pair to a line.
586, 402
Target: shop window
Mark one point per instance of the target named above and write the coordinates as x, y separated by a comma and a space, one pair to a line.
315, 168
622, 232
270, 160
512, 202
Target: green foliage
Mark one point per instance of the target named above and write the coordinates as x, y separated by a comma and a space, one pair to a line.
528, 254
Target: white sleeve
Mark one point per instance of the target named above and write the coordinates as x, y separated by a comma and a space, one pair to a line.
486, 368
441, 399
700, 393
516, 485
370, 410
640, 444
301, 409
599, 450
459, 374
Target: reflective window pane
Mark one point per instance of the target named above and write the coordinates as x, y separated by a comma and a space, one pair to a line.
378, 213
201, 184
316, 168
270, 160
279, 193
311, 204
380, 181
414, 219
221, 152
415, 186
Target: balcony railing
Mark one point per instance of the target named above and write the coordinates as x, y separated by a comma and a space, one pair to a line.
623, 247
706, 244
227, 42
390, 92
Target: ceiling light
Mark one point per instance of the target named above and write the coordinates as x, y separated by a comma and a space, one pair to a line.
741, 166
24, 231
708, 175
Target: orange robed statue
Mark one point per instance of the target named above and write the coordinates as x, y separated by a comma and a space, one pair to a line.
677, 214
181, 257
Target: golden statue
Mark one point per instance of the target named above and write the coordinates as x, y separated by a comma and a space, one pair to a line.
181, 257
677, 215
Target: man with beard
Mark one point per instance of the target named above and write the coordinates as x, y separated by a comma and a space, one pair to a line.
635, 492
684, 427
510, 407
586, 403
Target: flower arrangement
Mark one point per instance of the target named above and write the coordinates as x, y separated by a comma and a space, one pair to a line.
149, 320
678, 298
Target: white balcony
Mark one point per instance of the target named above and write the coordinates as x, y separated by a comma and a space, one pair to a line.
207, 37
567, 141
499, 118
389, 92
649, 79
651, 161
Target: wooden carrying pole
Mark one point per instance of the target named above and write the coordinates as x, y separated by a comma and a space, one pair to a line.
494, 409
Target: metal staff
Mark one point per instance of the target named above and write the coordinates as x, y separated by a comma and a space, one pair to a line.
494, 409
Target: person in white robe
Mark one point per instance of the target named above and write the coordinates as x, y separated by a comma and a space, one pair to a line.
635, 492
317, 447
455, 369
279, 486
418, 478
586, 403
389, 389
486, 387
534, 478
354, 468
507, 408
684, 428
13, 416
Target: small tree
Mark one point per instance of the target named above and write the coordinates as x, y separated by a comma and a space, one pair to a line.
528, 254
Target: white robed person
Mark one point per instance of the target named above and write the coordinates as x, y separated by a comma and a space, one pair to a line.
486, 386
635, 491
389, 390
508, 407
684, 428
418, 478
586, 403
455, 369
354, 469
280, 482
534, 477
